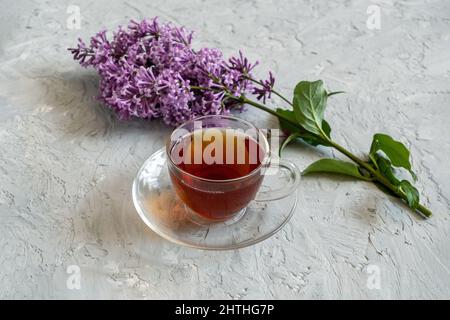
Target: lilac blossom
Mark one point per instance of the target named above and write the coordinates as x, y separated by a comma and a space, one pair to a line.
265, 90
150, 70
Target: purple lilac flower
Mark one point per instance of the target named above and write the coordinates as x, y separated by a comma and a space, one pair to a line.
150, 70
266, 88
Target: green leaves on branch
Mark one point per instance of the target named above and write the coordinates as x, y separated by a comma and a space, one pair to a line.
297, 132
395, 151
335, 166
309, 106
411, 193
290, 124
385, 168
306, 121
385, 154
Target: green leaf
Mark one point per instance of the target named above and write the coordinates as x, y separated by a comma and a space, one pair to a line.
288, 140
285, 125
335, 166
412, 195
396, 151
306, 136
326, 128
310, 99
315, 140
385, 167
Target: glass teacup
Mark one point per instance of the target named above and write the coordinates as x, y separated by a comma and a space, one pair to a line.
217, 164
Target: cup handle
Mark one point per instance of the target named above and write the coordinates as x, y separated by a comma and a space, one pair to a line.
281, 178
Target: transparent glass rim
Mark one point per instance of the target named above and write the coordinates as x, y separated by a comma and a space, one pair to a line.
263, 163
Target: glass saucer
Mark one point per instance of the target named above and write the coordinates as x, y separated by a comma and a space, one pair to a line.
161, 209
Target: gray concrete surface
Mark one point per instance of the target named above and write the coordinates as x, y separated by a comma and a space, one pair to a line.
66, 164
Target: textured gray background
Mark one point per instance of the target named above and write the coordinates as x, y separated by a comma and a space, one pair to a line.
66, 164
